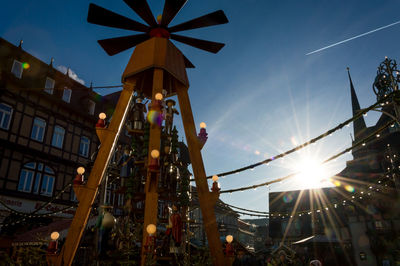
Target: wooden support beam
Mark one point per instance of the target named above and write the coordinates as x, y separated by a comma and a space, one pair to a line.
88, 191
206, 199
151, 187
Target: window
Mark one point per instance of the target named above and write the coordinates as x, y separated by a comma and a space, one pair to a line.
47, 183
49, 85
17, 69
40, 176
110, 196
5, 115
84, 146
38, 129
92, 106
26, 177
67, 95
58, 137
120, 200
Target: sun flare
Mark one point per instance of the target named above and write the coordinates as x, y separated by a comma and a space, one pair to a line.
311, 172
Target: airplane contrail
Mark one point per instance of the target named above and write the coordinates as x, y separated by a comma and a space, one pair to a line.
355, 37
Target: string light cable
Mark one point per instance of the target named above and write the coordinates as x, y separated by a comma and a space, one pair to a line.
365, 192
52, 199
48, 214
360, 142
13, 211
307, 143
239, 208
332, 205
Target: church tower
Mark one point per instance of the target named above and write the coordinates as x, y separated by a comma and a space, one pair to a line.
359, 125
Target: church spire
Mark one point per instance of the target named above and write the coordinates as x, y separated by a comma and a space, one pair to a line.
359, 124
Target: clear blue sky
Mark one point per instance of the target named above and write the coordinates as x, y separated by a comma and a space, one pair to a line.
260, 93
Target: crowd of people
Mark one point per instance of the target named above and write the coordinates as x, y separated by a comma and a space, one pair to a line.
280, 259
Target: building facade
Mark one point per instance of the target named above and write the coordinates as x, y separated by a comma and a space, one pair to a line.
47, 130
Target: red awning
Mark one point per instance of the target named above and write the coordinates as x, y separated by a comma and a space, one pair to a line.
40, 235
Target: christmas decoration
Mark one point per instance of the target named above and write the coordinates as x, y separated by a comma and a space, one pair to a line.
101, 123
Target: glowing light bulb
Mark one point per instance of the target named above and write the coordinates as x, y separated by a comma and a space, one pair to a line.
215, 178
229, 238
151, 229
159, 96
155, 154
102, 116
54, 236
203, 125
80, 170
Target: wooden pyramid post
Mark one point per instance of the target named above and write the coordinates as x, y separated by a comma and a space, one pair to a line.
207, 199
86, 193
158, 65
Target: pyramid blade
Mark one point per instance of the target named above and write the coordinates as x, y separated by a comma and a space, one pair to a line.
208, 46
101, 16
171, 8
188, 64
143, 10
116, 45
215, 18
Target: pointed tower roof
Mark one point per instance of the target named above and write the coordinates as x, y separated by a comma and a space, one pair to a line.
359, 124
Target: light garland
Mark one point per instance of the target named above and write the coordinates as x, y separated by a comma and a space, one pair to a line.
305, 144
327, 160
13, 211
367, 192
52, 199
350, 202
239, 208
28, 216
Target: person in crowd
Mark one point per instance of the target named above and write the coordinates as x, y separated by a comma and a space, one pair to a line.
315, 263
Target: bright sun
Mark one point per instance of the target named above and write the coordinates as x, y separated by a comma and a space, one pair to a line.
312, 172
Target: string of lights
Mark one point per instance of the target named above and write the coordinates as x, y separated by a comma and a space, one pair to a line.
371, 136
239, 208
249, 214
28, 216
305, 144
53, 198
356, 197
13, 211
367, 191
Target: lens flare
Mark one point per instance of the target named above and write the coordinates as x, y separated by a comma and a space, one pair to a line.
349, 188
25, 65
288, 198
155, 117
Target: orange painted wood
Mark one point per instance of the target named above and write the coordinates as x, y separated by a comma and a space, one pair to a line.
88, 192
205, 197
151, 203
157, 53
